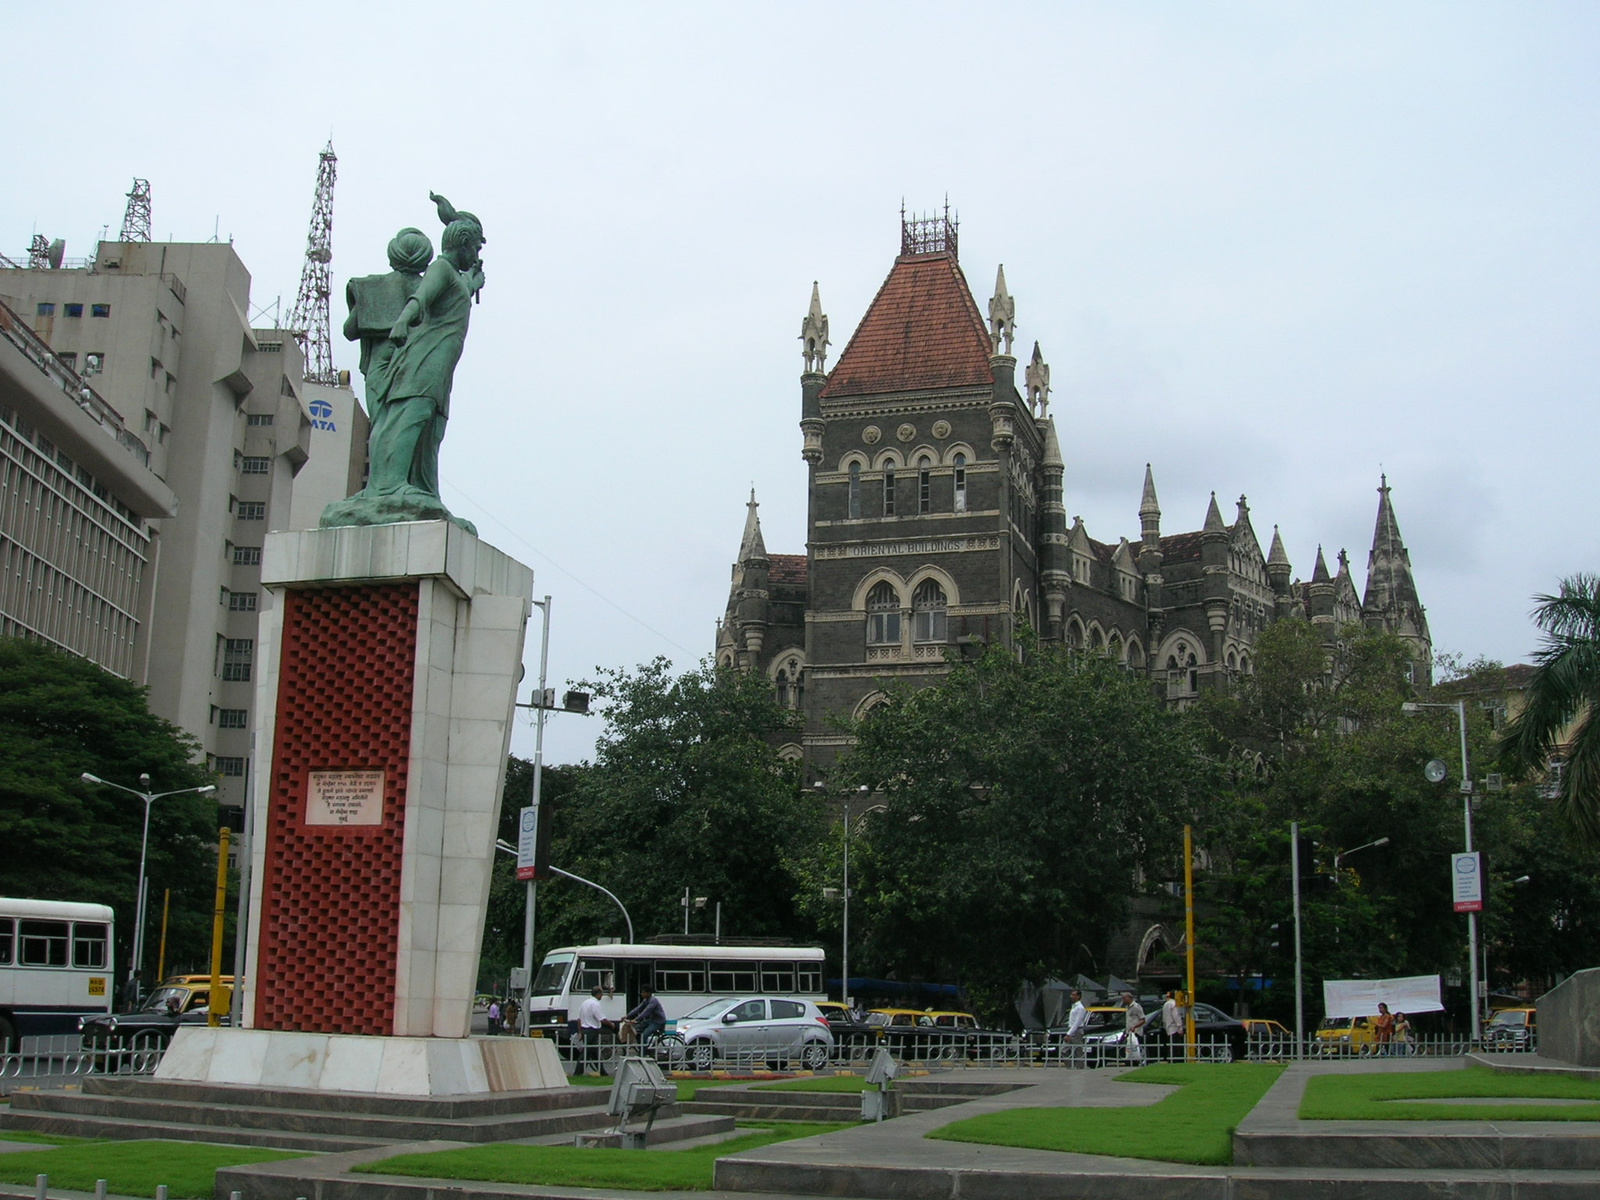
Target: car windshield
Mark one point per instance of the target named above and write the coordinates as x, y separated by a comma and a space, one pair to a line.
1509, 1018
161, 997
707, 1011
1335, 1023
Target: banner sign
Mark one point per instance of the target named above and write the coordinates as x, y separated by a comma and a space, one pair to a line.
527, 843
1466, 882
1361, 997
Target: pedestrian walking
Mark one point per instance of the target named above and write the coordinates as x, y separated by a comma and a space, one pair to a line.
494, 1017
1383, 1028
1402, 1035
508, 1017
1172, 1023
1133, 1024
1077, 1018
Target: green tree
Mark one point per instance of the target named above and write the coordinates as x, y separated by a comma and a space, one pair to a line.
503, 929
1021, 799
686, 790
1562, 697
63, 839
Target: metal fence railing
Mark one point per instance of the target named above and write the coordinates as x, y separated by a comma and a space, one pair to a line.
46, 1058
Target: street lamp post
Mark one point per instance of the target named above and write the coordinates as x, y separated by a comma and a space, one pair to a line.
1339, 858
844, 965
149, 798
1411, 708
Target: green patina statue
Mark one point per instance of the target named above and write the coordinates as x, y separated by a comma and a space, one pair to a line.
412, 325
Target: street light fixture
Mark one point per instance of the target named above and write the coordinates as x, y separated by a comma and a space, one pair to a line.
1411, 708
1339, 858
149, 798
844, 966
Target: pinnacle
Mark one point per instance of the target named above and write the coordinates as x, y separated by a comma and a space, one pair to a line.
1148, 506
1277, 556
752, 545
1320, 573
1214, 518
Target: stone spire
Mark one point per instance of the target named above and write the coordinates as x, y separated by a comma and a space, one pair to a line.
752, 547
1055, 572
1319, 573
1002, 314
1277, 556
814, 335
1149, 510
1391, 600
1278, 572
1214, 518
1037, 379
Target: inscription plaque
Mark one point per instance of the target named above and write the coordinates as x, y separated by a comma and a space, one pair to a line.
344, 798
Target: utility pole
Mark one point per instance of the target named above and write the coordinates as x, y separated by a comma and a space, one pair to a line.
1299, 988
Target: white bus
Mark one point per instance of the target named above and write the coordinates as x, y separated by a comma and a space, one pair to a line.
55, 966
683, 977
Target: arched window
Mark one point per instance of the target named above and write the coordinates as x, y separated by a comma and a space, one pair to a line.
855, 490
1114, 648
928, 612
1183, 675
924, 485
1135, 656
883, 615
888, 490
1097, 643
961, 483
1074, 634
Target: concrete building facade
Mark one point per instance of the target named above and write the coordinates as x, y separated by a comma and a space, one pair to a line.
161, 331
937, 519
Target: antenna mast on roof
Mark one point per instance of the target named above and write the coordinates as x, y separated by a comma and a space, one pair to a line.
309, 317
136, 218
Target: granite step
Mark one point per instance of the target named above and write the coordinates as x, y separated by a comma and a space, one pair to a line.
47, 1125
368, 1128
667, 1132
441, 1107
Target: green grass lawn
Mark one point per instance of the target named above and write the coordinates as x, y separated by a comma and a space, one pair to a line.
816, 1083
557, 1166
1193, 1125
133, 1168
1377, 1097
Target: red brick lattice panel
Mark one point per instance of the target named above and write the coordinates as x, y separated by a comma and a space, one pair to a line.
330, 918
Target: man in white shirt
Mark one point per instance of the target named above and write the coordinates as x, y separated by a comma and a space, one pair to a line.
1133, 1038
1172, 1024
1076, 1020
591, 1019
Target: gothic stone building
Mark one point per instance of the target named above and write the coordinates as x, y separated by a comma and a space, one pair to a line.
937, 520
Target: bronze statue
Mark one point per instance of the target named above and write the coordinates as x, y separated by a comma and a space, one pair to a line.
412, 325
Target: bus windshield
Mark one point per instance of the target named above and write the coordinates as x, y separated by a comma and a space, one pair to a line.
552, 974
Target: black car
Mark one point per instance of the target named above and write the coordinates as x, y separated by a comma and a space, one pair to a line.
1219, 1035
152, 1025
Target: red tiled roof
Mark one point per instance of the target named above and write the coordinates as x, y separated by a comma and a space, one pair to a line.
1180, 547
786, 568
922, 330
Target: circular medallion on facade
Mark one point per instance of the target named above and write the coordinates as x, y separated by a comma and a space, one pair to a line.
941, 429
906, 432
871, 434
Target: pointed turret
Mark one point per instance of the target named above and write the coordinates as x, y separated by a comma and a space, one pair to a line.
1150, 556
1278, 572
752, 546
1055, 571
1213, 518
1241, 518
1319, 573
1002, 314
1391, 600
1149, 511
744, 628
1037, 379
814, 335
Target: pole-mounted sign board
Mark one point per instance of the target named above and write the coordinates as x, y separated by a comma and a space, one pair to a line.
1466, 882
527, 844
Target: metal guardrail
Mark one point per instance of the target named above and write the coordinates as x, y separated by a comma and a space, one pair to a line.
65, 1055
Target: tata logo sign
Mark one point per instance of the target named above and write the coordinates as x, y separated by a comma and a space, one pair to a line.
322, 416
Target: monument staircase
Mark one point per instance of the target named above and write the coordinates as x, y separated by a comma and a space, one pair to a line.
758, 1103
328, 1122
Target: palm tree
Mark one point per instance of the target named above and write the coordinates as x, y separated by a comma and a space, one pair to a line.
1562, 700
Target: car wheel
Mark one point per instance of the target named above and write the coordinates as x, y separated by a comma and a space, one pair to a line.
702, 1055
814, 1055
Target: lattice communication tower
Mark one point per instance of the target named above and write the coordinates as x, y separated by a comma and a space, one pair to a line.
136, 218
309, 318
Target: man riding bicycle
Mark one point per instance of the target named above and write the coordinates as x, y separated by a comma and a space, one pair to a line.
648, 1017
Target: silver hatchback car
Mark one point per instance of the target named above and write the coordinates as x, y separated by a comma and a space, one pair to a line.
750, 1028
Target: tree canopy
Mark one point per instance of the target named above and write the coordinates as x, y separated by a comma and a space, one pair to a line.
1021, 797
64, 839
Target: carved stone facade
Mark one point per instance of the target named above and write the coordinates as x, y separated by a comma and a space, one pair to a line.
937, 521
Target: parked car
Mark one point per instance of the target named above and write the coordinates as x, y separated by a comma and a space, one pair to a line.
1512, 1028
847, 1029
181, 1000
1345, 1035
914, 1034
754, 1028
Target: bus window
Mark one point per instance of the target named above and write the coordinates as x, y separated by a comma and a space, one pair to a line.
43, 943
88, 945
552, 974
5, 941
733, 978
808, 978
680, 975
777, 977
596, 973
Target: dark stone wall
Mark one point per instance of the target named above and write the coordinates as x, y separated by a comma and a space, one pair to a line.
1569, 1020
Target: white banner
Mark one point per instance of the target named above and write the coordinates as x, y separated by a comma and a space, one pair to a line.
1361, 997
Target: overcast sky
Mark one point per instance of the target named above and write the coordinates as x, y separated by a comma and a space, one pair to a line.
1270, 248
